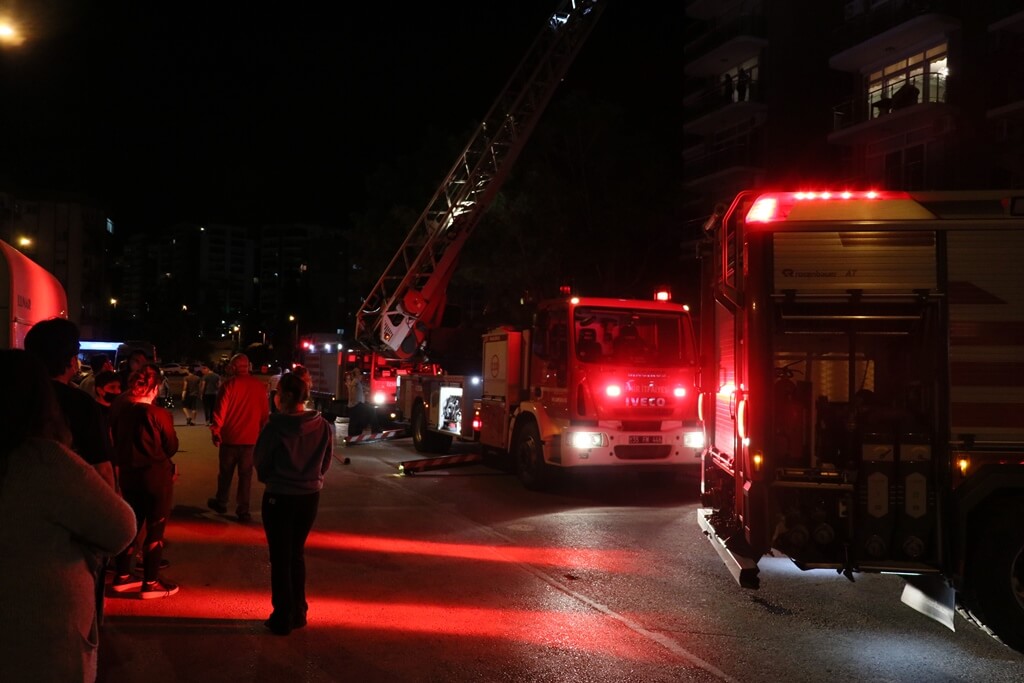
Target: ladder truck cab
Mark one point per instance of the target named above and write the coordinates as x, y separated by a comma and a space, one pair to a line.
595, 383
862, 387
329, 358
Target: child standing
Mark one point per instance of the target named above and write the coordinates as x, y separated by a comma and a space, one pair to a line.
292, 454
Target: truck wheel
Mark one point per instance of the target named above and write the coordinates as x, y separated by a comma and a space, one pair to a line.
999, 573
528, 453
425, 440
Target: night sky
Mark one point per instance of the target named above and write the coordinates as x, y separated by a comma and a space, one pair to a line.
252, 112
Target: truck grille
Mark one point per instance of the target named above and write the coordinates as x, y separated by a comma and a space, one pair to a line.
643, 452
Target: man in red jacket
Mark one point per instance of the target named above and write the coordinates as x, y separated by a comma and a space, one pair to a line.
239, 415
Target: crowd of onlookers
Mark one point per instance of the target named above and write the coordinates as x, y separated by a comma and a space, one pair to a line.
87, 476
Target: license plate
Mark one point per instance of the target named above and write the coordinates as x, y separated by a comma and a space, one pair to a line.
644, 439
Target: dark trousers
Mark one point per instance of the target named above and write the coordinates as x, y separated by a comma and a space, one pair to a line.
149, 492
208, 401
232, 458
287, 520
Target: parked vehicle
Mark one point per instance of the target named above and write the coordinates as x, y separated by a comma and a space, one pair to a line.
861, 392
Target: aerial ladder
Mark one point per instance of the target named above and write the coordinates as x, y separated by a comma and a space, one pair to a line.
408, 300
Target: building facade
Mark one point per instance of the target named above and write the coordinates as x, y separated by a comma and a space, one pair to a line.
891, 94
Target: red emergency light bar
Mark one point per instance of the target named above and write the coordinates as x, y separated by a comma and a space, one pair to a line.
775, 206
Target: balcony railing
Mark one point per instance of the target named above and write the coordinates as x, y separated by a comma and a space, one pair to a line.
863, 25
881, 101
713, 98
702, 37
739, 153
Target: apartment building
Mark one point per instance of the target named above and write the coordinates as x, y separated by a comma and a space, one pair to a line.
895, 94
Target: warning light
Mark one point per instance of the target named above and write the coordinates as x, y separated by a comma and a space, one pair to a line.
613, 390
663, 295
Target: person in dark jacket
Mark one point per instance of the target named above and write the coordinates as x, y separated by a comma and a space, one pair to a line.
292, 454
144, 442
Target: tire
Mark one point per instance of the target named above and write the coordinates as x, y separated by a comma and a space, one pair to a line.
528, 454
998, 573
424, 440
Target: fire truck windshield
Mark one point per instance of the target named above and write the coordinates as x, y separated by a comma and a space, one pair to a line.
608, 335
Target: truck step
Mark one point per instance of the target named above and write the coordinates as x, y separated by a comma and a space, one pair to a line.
410, 467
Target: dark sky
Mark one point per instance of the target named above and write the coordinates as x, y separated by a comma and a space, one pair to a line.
253, 112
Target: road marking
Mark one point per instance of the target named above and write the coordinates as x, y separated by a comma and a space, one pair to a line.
669, 644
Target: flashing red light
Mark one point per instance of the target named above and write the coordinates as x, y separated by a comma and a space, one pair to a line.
775, 206
663, 295
613, 390
565, 290
679, 392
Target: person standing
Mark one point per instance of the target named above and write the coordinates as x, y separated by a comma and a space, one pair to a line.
98, 362
240, 414
144, 443
742, 83
190, 396
135, 362
208, 388
55, 342
58, 517
357, 420
271, 390
108, 388
292, 454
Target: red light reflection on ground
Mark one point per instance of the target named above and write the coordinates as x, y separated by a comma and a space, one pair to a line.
617, 561
574, 629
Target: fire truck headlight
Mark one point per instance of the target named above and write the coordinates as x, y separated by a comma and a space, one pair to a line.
693, 439
588, 440
379, 398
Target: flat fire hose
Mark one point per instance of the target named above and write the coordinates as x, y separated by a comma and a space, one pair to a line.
410, 467
378, 436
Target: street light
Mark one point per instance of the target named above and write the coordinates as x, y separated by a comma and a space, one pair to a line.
9, 33
237, 329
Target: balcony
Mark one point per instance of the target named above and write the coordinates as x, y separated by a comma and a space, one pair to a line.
879, 115
742, 159
707, 111
871, 43
724, 43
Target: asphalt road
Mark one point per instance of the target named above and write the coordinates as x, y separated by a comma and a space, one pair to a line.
462, 575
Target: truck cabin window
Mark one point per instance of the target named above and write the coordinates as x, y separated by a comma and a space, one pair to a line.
636, 337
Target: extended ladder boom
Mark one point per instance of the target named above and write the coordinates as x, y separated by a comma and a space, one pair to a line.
407, 301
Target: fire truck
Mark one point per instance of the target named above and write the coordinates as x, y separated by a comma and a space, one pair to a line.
328, 357
595, 383
861, 392
28, 294
407, 303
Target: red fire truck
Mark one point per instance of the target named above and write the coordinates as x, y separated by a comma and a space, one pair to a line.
862, 390
594, 383
28, 294
328, 357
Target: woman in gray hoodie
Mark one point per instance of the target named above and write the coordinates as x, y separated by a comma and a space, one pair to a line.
292, 455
